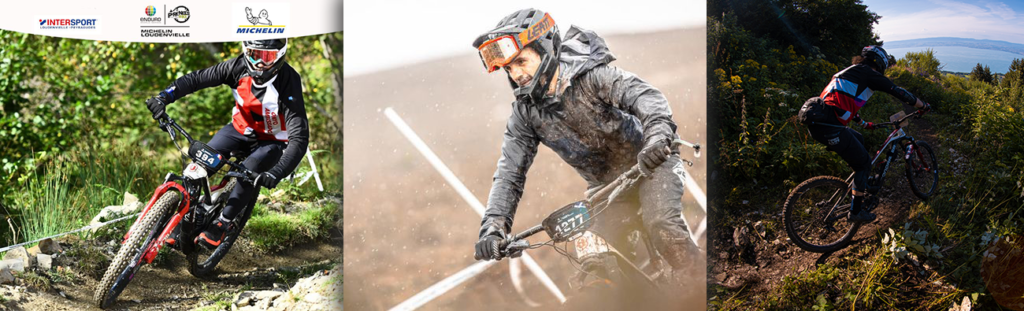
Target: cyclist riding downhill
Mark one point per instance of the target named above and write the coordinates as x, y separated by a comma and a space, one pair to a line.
598, 118
268, 122
828, 115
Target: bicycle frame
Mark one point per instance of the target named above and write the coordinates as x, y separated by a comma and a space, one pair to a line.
193, 185
891, 143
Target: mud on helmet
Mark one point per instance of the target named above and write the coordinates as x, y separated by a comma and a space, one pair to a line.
525, 28
269, 52
877, 57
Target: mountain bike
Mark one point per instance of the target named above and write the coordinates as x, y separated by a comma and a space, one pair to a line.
816, 211
187, 200
641, 269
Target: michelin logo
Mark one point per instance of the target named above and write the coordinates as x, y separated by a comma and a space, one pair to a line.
260, 23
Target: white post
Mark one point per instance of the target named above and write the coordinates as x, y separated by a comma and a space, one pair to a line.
464, 192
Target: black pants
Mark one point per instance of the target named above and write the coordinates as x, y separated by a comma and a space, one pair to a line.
263, 155
849, 144
659, 198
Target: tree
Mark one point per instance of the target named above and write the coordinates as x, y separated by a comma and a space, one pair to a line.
834, 29
923, 62
981, 73
1014, 80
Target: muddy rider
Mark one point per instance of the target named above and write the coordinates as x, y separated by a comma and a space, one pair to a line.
268, 121
847, 93
598, 118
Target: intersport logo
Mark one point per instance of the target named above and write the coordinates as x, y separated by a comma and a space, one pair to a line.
67, 23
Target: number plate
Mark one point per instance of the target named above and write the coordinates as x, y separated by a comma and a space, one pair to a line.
206, 156
568, 221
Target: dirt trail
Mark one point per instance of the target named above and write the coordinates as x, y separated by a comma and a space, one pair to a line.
761, 268
167, 285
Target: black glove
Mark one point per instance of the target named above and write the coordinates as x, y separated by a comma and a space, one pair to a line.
267, 180
653, 154
926, 108
157, 106
488, 247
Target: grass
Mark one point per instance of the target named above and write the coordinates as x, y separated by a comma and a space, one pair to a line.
62, 275
270, 231
33, 280
69, 189
91, 261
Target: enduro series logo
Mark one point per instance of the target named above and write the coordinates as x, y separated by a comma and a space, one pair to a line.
150, 17
261, 23
157, 27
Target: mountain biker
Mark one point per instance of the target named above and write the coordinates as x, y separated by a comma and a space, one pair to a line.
598, 118
847, 93
268, 121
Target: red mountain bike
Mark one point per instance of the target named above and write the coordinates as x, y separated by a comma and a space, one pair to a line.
188, 201
816, 211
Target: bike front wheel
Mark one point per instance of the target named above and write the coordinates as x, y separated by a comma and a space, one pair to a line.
922, 170
129, 257
815, 214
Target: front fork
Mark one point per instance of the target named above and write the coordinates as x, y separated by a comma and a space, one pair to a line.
184, 206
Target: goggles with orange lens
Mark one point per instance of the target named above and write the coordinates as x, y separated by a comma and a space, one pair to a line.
499, 52
267, 57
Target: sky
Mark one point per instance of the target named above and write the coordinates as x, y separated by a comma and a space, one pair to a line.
914, 19
382, 35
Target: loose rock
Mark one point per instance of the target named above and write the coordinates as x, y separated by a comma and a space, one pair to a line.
22, 254
45, 261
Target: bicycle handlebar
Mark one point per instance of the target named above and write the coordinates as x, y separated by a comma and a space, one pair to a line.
170, 126
917, 113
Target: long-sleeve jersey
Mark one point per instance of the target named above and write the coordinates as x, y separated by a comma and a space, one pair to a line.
274, 110
851, 88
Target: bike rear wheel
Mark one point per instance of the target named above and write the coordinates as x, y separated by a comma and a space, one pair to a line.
129, 258
202, 262
923, 170
815, 215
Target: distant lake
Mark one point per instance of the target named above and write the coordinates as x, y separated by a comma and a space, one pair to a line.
963, 59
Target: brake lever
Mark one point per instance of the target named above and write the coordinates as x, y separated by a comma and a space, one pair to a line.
515, 249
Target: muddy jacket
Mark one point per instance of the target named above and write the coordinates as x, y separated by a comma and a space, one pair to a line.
597, 123
272, 111
851, 88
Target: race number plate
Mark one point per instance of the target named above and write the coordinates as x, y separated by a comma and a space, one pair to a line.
568, 221
588, 244
206, 156
897, 117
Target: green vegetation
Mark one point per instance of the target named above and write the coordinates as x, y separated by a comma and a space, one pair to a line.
75, 133
272, 230
760, 77
90, 261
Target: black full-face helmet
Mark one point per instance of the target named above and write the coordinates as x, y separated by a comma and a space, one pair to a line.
876, 56
268, 52
525, 28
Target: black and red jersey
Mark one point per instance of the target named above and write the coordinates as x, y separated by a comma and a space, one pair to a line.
271, 111
851, 88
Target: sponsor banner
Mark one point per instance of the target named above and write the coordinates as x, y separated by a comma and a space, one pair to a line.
261, 19
169, 21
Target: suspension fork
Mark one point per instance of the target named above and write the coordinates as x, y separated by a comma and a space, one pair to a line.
921, 162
